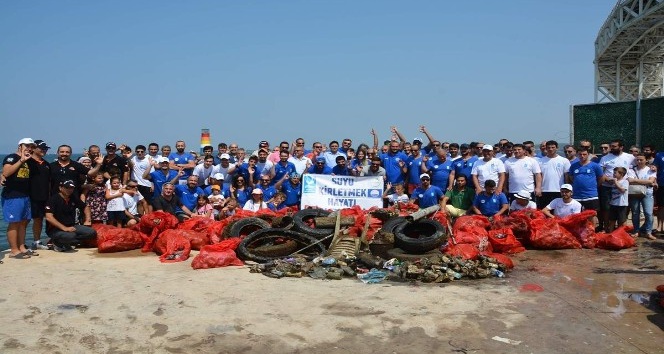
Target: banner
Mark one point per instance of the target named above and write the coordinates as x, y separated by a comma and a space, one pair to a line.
339, 192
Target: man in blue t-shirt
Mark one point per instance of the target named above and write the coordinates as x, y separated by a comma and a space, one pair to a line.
182, 160
463, 166
283, 167
320, 168
394, 162
161, 174
188, 193
414, 164
487, 203
439, 167
585, 176
427, 195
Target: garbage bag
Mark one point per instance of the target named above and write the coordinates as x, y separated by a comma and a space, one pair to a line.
196, 223
115, 239
581, 225
617, 240
471, 223
152, 224
221, 254
501, 258
503, 241
463, 250
549, 235
172, 246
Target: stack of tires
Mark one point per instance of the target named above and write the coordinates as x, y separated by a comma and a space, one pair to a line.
415, 239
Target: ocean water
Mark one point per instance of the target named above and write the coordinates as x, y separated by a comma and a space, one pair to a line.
3, 225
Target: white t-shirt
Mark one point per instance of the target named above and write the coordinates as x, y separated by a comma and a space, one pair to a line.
300, 164
515, 206
115, 204
228, 179
140, 166
202, 173
486, 170
553, 172
644, 173
393, 198
131, 202
521, 173
619, 198
562, 209
609, 162
250, 205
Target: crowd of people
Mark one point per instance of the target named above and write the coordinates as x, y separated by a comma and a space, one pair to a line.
463, 178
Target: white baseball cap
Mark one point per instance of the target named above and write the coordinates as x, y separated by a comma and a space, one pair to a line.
26, 141
567, 186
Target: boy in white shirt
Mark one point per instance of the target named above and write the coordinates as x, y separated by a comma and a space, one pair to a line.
619, 196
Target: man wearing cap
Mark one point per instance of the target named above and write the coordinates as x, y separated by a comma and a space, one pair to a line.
216, 179
427, 195
168, 202
114, 164
460, 196
291, 188
40, 184
226, 169
490, 201
182, 160
522, 173
162, 174
561, 207
463, 166
522, 201
64, 169
320, 168
488, 168
16, 197
61, 213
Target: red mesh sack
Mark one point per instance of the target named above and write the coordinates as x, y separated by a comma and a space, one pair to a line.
196, 223
196, 239
153, 224
519, 224
548, 235
406, 208
114, 239
581, 225
463, 250
172, 246
617, 240
221, 254
501, 258
471, 223
440, 217
503, 241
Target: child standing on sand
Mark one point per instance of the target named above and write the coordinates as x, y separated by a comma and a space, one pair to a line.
94, 195
114, 203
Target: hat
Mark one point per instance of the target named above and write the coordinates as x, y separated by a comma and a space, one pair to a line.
263, 150
320, 159
567, 186
295, 175
487, 147
464, 146
111, 145
161, 159
42, 144
218, 176
225, 156
424, 175
84, 158
417, 141
524, 194
26, 141
257, 191
263, 142
68, 183
215, 187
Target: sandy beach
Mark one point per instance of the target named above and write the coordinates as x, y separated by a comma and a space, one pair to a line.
85, 302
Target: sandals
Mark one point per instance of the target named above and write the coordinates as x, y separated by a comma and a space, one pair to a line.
31, 252
22, 255
650, 237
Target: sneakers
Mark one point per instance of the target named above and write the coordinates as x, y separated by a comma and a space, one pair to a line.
38, 245
62, 249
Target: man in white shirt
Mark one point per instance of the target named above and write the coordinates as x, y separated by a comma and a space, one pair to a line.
301, 162
523, 173
204, 170
488, 168
554, 172
561, 207
615, 158
138, 164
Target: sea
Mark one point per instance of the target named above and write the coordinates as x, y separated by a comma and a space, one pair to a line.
3, 225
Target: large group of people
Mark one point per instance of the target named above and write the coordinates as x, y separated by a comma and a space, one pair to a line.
462, 178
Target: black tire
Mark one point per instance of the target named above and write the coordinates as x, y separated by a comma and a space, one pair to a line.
399, 254
282, 222
391, 224
419, 236
275, 248
268, 236
226, 232
246, 226
302, 217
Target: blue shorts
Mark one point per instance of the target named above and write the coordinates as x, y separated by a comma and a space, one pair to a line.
16, 209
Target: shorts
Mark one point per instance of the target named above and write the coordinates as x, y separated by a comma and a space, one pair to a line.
455, 212
16, 209
592, 204
136, 217
145, 192
115, 216
546, 199
604, 198
38, 208
618, 213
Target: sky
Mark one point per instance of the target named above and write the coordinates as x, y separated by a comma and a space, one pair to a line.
135, 72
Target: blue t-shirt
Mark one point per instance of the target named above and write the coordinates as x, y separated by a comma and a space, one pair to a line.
242, 195
465, 168
158, 179
489, 205
315, 170
243, 170
223, 191
293, 193
391, 165
585, 180
340, 171
440, 172
268, 192
281, 170
187, 196
428, 197
414, 173
659, 163
183, 158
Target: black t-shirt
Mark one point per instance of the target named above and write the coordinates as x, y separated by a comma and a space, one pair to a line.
40, 179
169, 206
18, 184
63, 210
117, 165
72, 171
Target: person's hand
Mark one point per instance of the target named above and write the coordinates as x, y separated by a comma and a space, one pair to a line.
422, 129
393, 129
449, 188
25, 154
251, 170
87, 223
99, 159
180, 172
388, 186
69, 229
538, 192
401, 163
425, 158
373, 132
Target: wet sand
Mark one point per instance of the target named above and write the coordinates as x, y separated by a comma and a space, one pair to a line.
575, 301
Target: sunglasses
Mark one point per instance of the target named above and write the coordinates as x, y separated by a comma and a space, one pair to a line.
129, 186
425, 179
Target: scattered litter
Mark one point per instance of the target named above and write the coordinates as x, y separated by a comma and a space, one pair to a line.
373, 276
506, 340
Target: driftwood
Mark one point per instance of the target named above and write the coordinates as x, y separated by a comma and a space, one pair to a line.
330, 222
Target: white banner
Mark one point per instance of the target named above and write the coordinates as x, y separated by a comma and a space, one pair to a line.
339, 192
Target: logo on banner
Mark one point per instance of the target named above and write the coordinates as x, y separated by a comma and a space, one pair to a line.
309, 184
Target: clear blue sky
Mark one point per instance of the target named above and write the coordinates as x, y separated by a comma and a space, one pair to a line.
83, 72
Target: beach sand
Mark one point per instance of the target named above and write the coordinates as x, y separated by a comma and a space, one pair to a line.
85, 302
